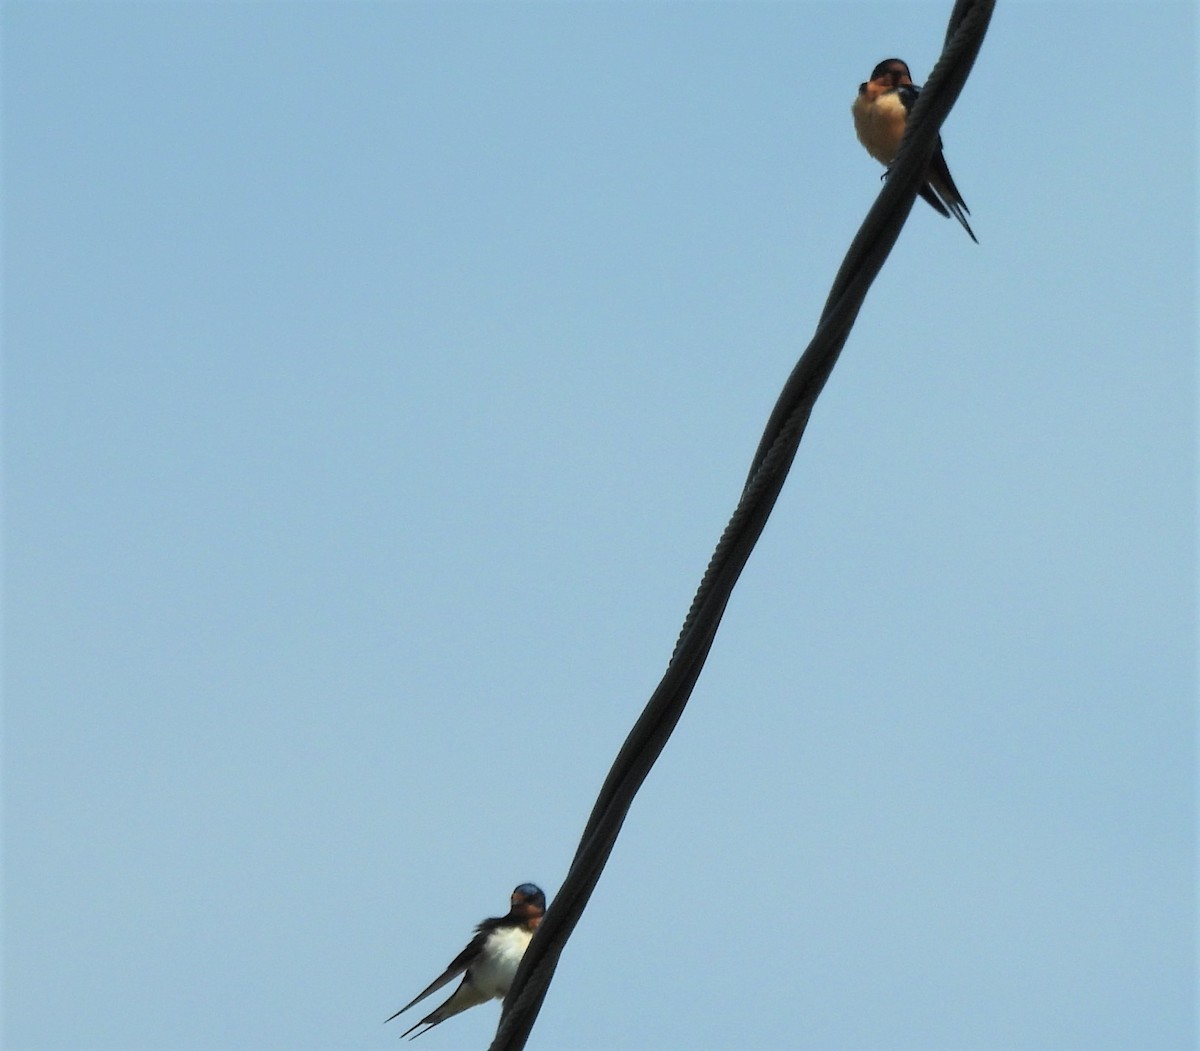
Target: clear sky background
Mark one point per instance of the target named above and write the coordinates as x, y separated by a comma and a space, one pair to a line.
378, 380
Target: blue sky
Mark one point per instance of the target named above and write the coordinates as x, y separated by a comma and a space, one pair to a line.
378, 379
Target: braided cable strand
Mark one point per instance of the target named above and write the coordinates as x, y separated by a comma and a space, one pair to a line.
769, 468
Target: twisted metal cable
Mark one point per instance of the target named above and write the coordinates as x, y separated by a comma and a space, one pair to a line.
769, 468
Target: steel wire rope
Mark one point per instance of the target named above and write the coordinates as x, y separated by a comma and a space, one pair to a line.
769, 468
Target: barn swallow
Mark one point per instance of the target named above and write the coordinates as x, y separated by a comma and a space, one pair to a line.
880, 113
490, 960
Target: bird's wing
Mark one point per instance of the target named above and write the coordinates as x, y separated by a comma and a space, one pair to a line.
459, 964
940, 191
466, 995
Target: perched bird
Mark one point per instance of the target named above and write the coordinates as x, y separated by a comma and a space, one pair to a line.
880, 114
490, 960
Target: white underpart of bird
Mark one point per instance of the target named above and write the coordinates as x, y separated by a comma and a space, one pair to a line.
494, 973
